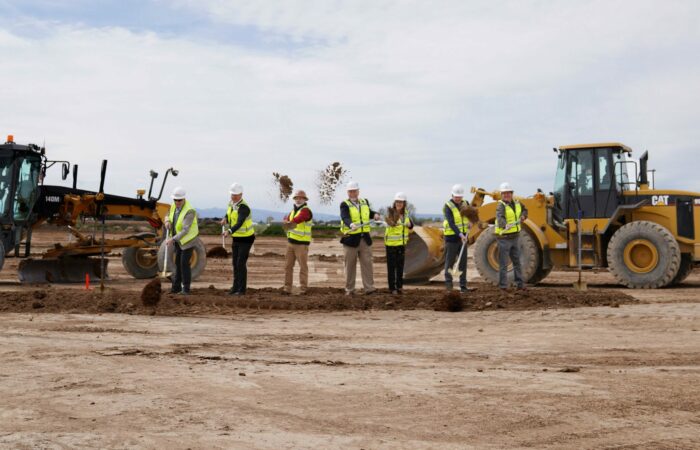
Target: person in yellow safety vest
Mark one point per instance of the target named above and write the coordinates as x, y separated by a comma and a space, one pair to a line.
355, 217
238, 224
298, 225
510, 214
181, 224
455, 231
395, 240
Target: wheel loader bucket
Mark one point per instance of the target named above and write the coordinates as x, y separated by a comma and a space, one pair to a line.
424, 255
60, 270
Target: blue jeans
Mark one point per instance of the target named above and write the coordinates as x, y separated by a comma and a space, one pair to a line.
508, 248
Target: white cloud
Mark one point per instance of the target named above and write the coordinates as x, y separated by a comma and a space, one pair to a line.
412, 96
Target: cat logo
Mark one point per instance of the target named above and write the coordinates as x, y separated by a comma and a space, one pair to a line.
659, 200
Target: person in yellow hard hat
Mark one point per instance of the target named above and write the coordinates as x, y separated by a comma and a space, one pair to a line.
396, 233
510, 213
182, 225
298, 225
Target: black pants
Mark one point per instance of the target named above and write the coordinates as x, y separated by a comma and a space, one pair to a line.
395, 257
240, 251
183, 272
452, 250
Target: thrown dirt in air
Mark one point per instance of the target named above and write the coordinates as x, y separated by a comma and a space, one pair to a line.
328, 181
217, 302
217, 252
150, 295
284, 185
392, 216
471, 213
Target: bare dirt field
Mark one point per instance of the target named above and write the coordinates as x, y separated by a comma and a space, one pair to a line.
548, 368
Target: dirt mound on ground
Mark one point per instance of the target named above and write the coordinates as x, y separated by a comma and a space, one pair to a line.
213, 301
451, 301
217, 252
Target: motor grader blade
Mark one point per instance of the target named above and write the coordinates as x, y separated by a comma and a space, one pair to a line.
60, 270
424, 255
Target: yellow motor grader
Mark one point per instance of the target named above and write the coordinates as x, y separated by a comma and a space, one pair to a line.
26, 202
646, 237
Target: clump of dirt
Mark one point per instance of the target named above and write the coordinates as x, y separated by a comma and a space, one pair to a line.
284, 185
471, 213
392, 216
451, 301
328, 181
216, 302
150, 295
217, 252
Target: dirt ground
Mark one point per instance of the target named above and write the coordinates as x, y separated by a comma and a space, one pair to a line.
548, 368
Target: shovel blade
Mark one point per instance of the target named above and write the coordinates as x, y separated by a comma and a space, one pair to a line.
580, 286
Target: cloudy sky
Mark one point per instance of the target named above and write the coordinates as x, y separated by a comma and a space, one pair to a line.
409, 95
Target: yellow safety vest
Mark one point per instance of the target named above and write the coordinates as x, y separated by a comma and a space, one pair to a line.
358, 216
194, 228
247, 228
462, 225
397, 235
512, 217
302, 232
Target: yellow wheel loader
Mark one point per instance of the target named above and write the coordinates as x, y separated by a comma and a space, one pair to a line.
26, 202
646, 237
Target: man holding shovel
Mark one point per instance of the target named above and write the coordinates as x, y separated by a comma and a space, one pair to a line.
298, 226
456, 232
181, 225
355, 217
510, 213
238, 224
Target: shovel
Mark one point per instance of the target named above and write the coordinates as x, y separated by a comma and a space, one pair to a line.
454, 270
165, 273
579, 285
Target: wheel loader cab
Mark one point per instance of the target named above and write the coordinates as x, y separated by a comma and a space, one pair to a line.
589, 178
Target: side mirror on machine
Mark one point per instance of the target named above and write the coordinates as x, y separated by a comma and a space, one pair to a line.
65, 170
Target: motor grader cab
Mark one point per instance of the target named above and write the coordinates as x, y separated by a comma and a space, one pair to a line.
646, 237
26, 202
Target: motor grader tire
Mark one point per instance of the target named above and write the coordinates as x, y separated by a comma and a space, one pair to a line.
540, 275
486, 257
198, 261
141, 262
643, 255
685, 269
2, 255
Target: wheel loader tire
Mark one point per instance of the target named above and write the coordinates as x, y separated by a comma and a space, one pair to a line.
197, 263
685, 269
644, 255
486, 257
140, 263
2, 255
540, 275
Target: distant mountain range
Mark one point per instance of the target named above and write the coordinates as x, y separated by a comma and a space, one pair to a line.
261, 215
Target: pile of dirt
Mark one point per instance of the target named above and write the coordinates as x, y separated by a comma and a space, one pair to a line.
212, 301
150, 295
451, 301
284, 185
328, 181
217, 252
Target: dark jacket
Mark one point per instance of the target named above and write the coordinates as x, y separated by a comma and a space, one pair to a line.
353, 240
243, 213
447, 212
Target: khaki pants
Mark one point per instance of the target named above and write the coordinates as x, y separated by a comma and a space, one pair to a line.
364, 254
296, 252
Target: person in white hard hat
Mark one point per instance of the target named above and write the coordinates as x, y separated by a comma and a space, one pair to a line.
355, 216
183, 229
238, 224
510, 213
396, 233
298, 224
456, 232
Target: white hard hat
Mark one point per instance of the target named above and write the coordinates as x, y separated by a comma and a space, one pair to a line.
505, 187
178, 193
235, 189
458, 190
352, 186
400, 196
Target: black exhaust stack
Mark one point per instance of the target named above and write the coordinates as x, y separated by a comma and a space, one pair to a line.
643, 177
